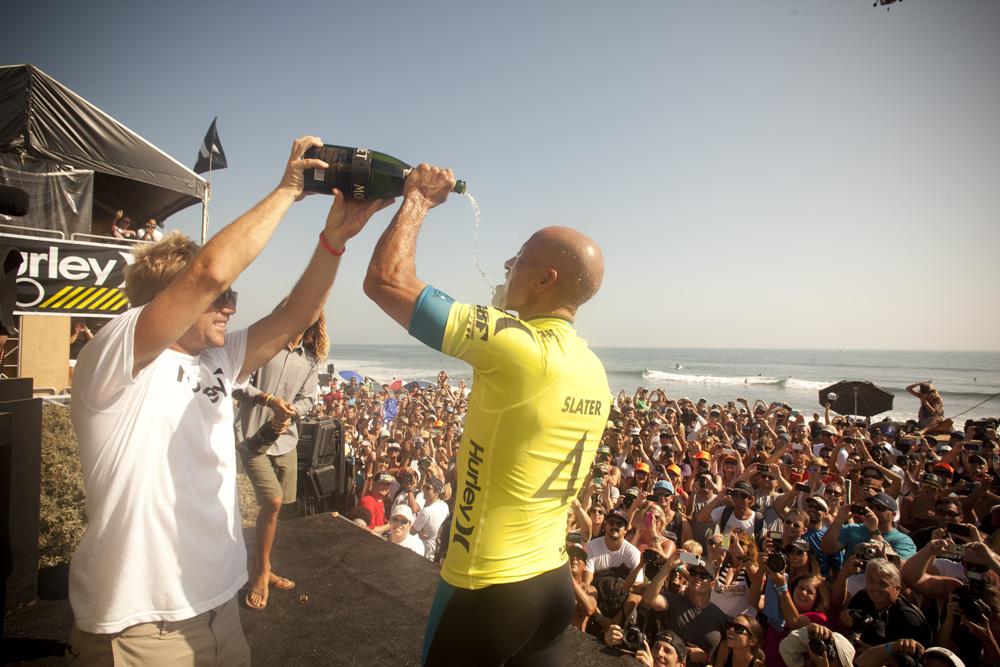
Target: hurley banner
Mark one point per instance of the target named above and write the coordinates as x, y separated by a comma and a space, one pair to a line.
69, 277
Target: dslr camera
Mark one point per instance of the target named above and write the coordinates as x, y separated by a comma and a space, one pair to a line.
866, 551
821, 646
652, 563
632, 637
971, 604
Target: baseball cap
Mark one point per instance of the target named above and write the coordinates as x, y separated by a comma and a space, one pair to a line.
676, 469
932, 479
435, 483
642, 467
829, 428
801, 545
819, 500
884, 500
576, 550
944, 655
403, 511
703, 455
663, 485
944, 466
619, 515
743, 486
604, 449
384, 478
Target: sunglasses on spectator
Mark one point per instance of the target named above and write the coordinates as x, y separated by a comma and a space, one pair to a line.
227, 297
399, 520
661, 496
949, 514
739, 494
704, 575
738, 628
597, 510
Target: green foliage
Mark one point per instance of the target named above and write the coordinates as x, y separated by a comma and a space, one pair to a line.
63, 515
63, 511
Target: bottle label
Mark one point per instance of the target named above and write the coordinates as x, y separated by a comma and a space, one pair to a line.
319, 174
361, 168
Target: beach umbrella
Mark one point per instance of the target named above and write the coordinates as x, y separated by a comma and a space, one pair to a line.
856, 397
417, 384
349, 375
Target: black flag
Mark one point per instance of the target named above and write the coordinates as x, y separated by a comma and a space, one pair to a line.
211, 146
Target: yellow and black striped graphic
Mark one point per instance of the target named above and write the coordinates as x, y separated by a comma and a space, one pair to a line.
84, 299
59, 277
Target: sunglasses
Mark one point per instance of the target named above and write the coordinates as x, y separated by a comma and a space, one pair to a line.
740, 494
227, 297
738, 628
952, 515
399, 521
703, 575
661, 496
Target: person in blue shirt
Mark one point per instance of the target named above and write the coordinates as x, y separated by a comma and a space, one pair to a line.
876, 523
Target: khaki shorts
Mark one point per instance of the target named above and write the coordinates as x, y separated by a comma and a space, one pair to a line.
272, 476
213, 638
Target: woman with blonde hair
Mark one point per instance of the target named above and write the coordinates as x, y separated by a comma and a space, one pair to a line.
276, 396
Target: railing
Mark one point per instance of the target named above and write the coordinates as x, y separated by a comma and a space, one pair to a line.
104, 238
34, 231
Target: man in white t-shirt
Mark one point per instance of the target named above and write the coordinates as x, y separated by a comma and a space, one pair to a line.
399, 530
610, 551
431, 516
156, 573
733, 510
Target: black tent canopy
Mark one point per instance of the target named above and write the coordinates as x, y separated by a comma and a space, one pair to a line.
42, 119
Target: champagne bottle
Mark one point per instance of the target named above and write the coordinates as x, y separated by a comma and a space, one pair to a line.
359, 173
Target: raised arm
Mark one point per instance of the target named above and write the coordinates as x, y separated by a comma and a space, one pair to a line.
392, 280
267, 336
174, 309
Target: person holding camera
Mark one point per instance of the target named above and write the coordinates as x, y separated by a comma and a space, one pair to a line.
816, 646
281, 391
877, 522
879, 614
431, 516
668, 649
693, 616
968, 605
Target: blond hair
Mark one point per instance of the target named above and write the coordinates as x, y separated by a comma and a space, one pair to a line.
155, 265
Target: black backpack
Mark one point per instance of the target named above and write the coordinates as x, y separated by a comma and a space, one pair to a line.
758, 522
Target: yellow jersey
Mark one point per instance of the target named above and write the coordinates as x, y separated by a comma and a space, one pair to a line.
537, 410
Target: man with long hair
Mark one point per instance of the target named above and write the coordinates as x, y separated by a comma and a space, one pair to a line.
154, 579
270, 405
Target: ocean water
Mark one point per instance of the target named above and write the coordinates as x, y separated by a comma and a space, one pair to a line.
719, 375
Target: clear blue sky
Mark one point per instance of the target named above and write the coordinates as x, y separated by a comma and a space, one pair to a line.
768, 174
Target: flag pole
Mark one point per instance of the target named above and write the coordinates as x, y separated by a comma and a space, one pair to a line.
204, 203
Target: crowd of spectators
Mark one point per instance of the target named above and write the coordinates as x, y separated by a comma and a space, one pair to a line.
737, 534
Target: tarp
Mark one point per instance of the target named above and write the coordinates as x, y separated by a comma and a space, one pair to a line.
66, 278
42, 119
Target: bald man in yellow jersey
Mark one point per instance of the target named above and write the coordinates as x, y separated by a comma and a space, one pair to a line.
537, 410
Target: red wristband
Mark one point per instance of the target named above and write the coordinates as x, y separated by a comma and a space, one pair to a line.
329, 248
